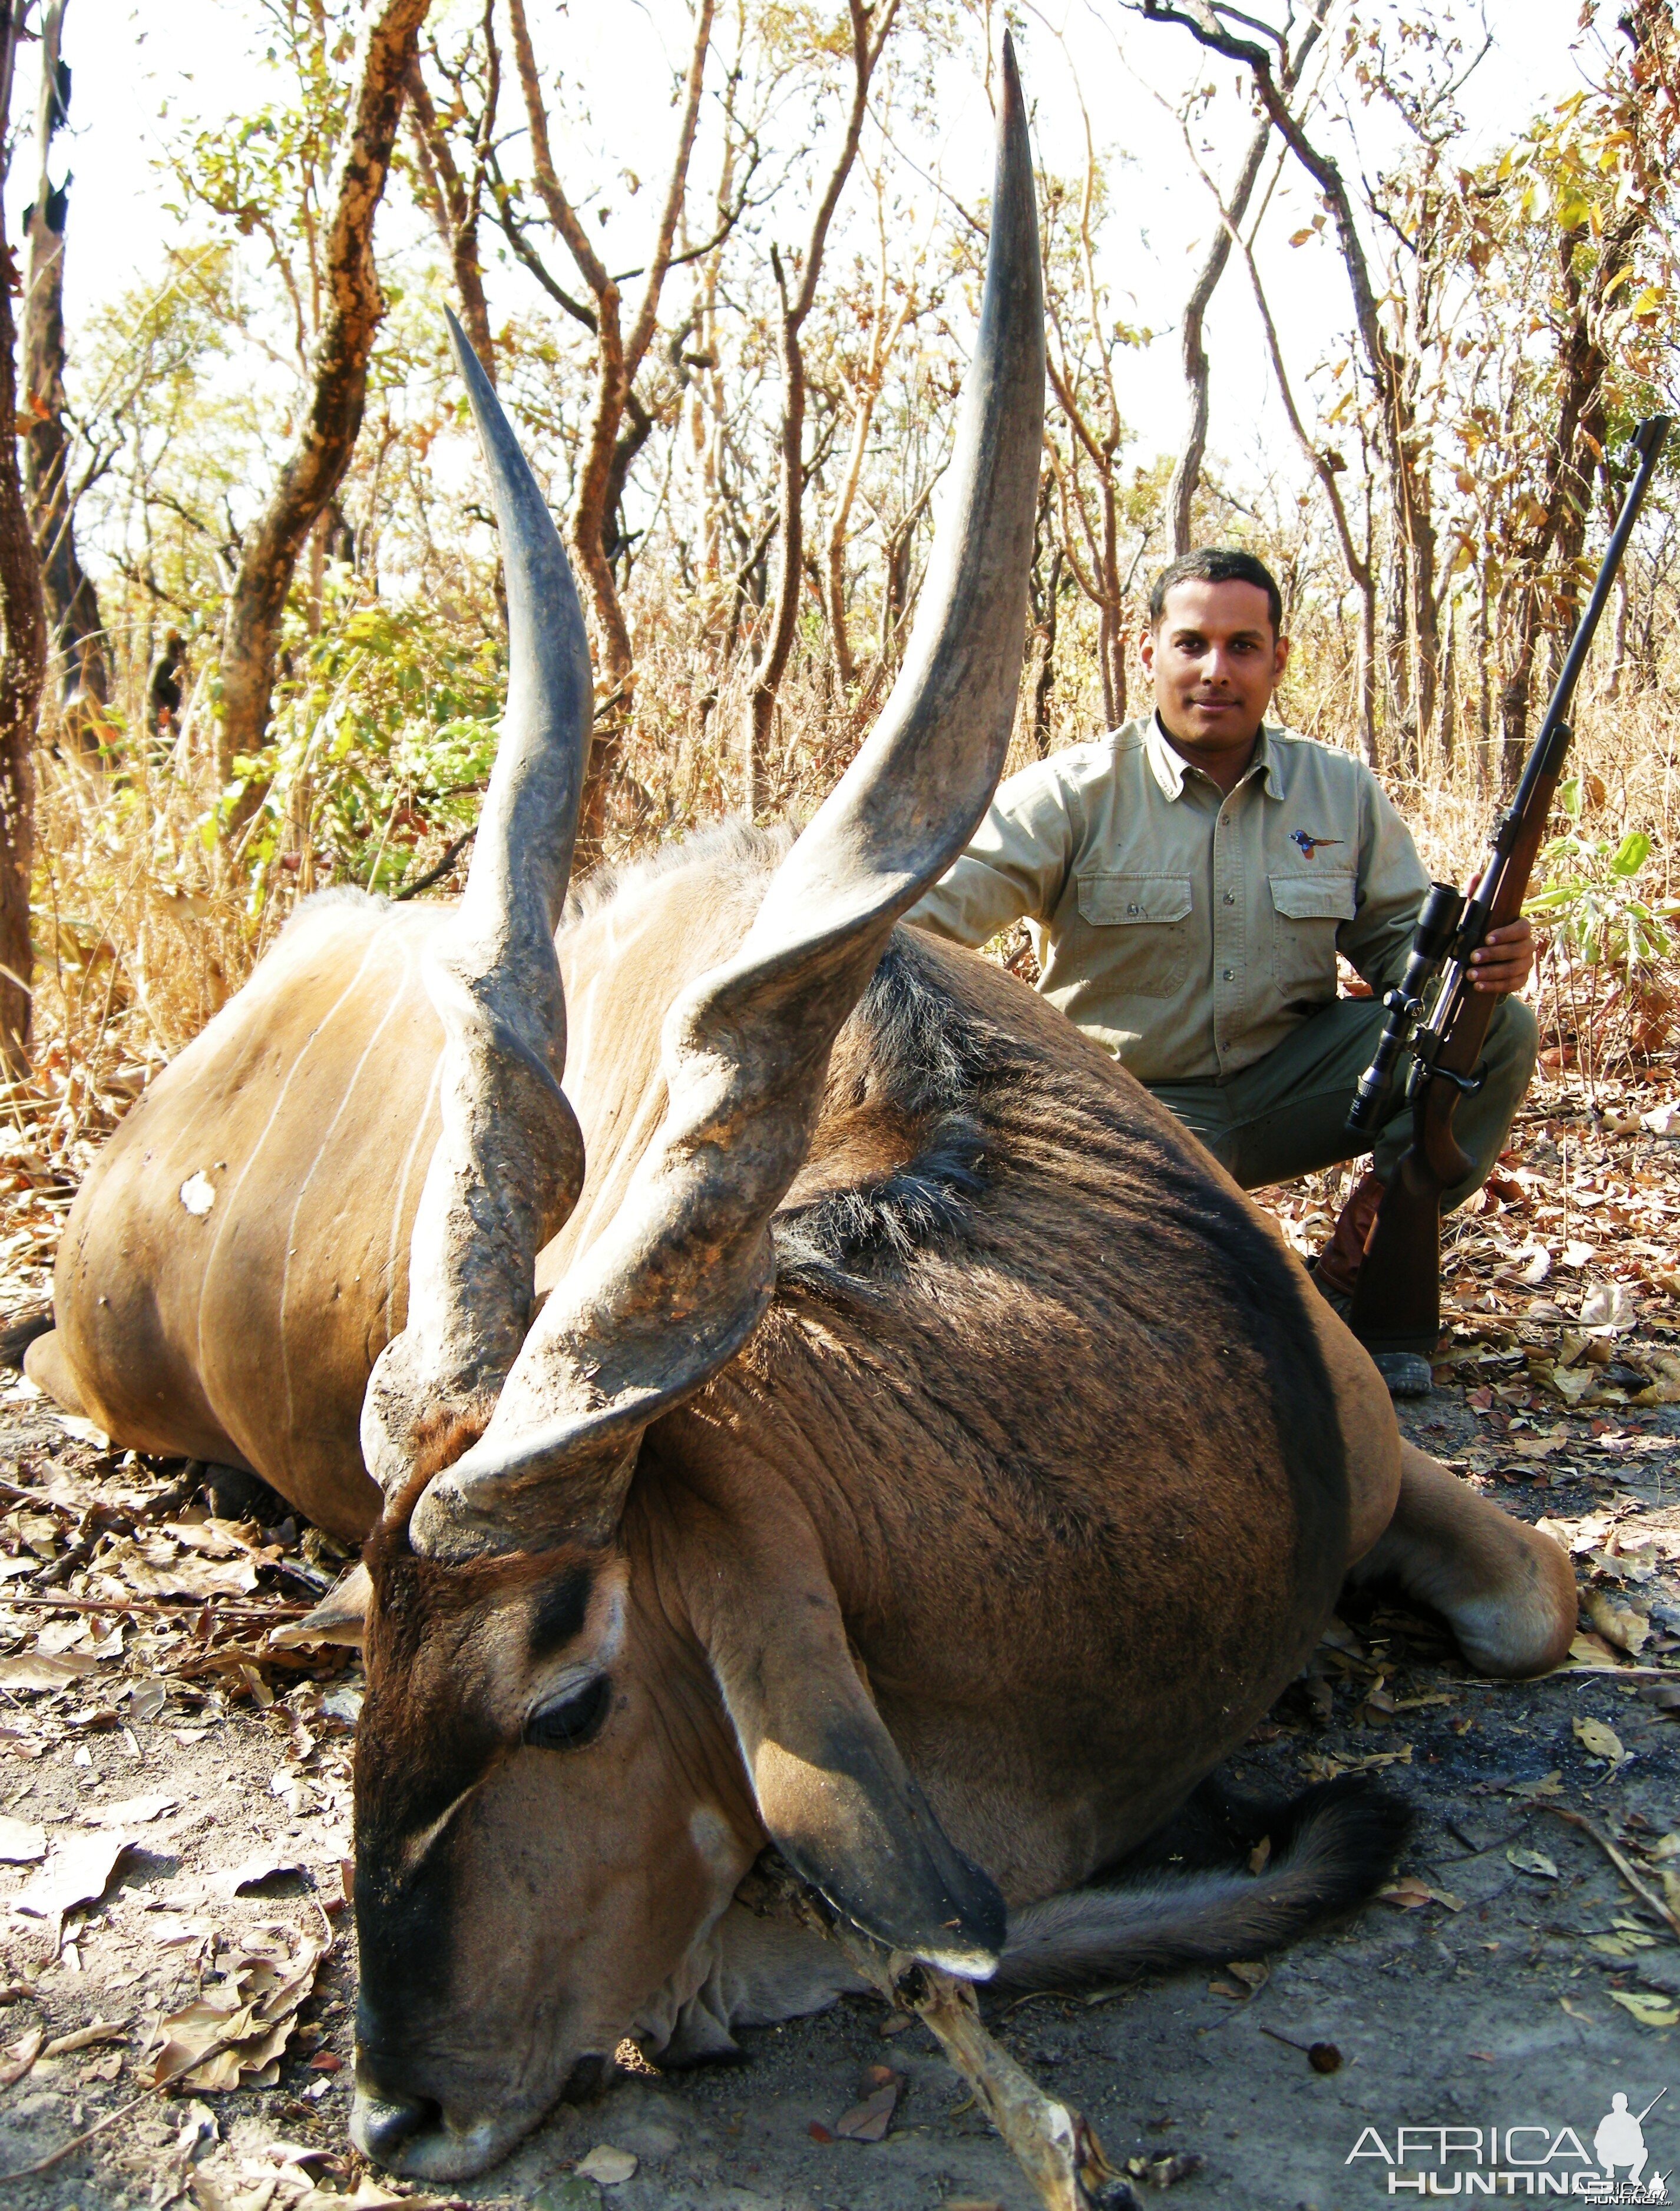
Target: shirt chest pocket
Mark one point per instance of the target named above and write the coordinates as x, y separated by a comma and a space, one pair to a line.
1140, 925
1306, 913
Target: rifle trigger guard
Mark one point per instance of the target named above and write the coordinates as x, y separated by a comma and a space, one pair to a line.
1466, 1085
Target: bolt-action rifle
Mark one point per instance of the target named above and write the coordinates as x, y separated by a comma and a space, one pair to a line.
1435, 1013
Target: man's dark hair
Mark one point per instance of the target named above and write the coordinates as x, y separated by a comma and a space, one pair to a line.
1218, 564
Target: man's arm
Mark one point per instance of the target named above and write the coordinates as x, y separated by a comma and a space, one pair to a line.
1391, 882
1016, 867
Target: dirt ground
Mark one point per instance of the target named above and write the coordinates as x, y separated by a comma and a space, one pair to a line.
153, 1744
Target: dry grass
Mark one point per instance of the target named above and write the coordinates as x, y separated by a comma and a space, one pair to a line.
149, 915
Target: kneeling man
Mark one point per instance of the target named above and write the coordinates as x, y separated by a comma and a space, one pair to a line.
1189, 881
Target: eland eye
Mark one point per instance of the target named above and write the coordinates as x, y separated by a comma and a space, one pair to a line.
572, 1720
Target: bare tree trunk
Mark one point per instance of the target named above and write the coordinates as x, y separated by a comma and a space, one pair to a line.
1368, 665
870, 30
618, 358
1386, 368
72, 604
1484, 703
1582, 435
453, 203
1618, 646
1402, 720
1327, 466
1045, 593
22, 651
1424, 622
356, 307
1513, 695
897, 556
1187, 475
1098, 435
884, 337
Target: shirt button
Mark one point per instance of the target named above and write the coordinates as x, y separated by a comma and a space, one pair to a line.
1230, 898
1229, 973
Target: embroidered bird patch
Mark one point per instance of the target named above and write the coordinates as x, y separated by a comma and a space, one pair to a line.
1309, 845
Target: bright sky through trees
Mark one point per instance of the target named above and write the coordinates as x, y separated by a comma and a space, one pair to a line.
144, 75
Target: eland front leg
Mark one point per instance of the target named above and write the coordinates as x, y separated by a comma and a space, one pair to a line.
1505, 1590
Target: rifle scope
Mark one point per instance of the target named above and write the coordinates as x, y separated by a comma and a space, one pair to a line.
1432, 939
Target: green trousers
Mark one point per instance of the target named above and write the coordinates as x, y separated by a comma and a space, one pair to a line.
1287, 1114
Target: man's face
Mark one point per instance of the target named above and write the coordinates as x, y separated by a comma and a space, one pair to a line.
1215, 661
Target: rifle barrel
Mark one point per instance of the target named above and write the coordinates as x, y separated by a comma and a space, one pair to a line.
1648, 441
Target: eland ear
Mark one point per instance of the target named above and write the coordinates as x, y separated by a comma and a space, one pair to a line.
832, 1792
340, 1617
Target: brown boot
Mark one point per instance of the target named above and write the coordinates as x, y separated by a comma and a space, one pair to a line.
1340, 1263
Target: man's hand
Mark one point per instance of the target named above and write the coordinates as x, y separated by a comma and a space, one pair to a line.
1505, 960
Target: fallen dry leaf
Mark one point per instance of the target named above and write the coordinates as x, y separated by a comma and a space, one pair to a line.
147, 1698
1578, 1538
1598, 1741
83, 2038
1616, 1624
1411, 1894
18, 2056
1620, 1946
1534, 1862
869, 2121
20, 1843
135, 1811
1593, 1650
612, 2166
1608, 1306
32, 1671
157, 1568
81, 1429
370, 2196
1664, 1387
216, 1539
252, 1872
252, 2011
78, 1872
1647, 2007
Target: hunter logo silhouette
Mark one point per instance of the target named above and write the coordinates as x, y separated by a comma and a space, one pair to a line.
1620, 2140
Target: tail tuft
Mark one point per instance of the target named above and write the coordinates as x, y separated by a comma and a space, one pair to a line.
1331, 1848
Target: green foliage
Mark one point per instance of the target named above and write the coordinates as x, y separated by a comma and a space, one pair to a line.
388, 732
1587, 896
267, 174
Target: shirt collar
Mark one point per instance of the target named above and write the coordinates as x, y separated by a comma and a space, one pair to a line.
1167, 766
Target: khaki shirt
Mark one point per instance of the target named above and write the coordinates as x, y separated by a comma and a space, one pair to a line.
1186, 931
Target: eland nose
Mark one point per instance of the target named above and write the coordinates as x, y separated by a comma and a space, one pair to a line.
384, 2124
